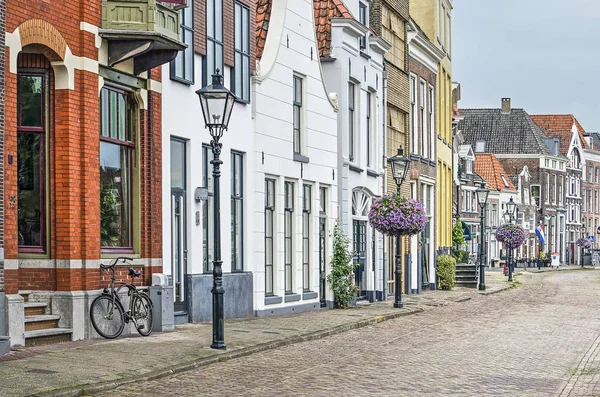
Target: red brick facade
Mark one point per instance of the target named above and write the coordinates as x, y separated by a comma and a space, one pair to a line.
73, 167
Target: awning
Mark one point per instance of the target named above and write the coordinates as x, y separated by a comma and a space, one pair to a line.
466, 231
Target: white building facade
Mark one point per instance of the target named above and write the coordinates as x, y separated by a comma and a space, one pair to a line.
295, 180
353, 66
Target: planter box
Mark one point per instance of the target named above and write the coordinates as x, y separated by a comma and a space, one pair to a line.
140, 16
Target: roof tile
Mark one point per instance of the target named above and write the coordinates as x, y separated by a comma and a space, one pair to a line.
560, 126
263, 16
324, 10
490, 169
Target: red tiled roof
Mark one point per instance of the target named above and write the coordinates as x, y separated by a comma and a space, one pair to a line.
489, 168
560, 126
263, 16
325, 10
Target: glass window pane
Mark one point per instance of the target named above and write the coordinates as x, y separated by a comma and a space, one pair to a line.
122, 115
238, 74
219, 20
30, 181
177, 164
210, 60
245, 41
210, 15
246, 78
219, 57
113, 114
30, 90
189, 56
239, 234
115, 200
238, 27
104, 112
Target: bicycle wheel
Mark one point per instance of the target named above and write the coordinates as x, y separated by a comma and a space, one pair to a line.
107, 317
142, 314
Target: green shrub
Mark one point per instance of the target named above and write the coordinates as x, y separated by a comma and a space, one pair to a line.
458, 234
446, 269
461, 256
341, 277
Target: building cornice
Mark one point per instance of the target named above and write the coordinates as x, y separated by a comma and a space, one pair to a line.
350, 26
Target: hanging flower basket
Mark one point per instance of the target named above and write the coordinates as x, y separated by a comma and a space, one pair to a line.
512, 236
584, 242
392, 213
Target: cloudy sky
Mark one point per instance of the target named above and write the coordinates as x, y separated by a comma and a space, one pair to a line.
543, 54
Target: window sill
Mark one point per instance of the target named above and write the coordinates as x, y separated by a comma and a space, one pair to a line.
309, 295
355, 168
182, 80
364, 54
292, 298
273, 300
372, 173
242, 101
300, 158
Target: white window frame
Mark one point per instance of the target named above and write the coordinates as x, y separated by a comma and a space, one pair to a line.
414, 138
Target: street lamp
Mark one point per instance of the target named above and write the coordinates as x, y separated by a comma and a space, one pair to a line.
482, 197
399, 165
217, 104
582, 236
509, 216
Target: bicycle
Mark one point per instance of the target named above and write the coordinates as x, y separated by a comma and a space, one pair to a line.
107, 311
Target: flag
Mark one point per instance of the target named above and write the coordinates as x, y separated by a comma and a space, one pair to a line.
539, 230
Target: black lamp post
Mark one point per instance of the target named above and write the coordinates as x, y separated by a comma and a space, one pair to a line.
217, 104
582, 248
482, 197
509, 216
399, 168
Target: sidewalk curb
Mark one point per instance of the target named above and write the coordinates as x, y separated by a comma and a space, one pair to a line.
505, 288
80, 390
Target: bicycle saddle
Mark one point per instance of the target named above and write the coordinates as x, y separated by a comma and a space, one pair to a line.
134, 273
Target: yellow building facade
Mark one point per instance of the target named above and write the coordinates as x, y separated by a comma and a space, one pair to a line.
434, 17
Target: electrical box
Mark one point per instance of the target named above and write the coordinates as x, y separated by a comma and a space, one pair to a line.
200, 194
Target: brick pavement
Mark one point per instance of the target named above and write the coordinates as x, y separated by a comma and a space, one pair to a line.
538, 340
70, 368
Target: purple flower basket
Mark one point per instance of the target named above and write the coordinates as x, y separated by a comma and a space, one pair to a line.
392, 213
512, 236
583, 242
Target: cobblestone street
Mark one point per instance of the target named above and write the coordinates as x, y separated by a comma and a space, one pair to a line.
539, 339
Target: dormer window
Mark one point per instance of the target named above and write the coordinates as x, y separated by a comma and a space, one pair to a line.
504, 181
469, 166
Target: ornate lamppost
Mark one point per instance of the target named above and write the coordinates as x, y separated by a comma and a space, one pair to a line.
217, 104
583, 246
482, 197
509, 217
399, 165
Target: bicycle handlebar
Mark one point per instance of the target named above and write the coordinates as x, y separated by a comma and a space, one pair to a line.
115, 261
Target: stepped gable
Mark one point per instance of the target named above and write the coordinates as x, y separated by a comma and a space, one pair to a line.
513, 132
325, 10
560, 126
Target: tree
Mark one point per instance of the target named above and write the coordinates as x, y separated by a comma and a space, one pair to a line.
458, 234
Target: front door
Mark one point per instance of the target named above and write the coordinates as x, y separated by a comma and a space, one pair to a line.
178, 223
360, 248
425, 259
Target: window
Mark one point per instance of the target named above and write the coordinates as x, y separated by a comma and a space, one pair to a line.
31, 169
463, 201
306, 209
469, 166
207, 210
369, 148
214, 39
414, 138
596, 171
362, 18
351, 95
494, 220
241, 72
182, 67
561, 183
591, 173
596, 201
422, 122
297, 115
504, 181
237, 212
554, 189
116, 150
442, 22
431, 124
288, 231
547, 188
547, 163
269, 234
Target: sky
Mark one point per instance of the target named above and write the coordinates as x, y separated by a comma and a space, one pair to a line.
543, 54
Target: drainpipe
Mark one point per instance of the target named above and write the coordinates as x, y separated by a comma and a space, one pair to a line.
384, 184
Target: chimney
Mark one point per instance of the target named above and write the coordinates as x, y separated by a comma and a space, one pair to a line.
505, 105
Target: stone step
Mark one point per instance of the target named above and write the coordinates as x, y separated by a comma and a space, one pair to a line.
43, 321
25, 294
49, 336
467, 284
35, 308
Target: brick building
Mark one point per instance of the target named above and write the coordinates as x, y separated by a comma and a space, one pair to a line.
590, 207
389, 19
82, 145
517, 142
568, 132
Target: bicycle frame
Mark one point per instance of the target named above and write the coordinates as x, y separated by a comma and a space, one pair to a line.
114, 294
